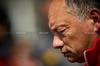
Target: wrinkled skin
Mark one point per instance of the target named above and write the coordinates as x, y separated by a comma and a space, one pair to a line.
70, 35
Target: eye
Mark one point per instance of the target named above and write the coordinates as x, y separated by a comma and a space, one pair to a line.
60, 32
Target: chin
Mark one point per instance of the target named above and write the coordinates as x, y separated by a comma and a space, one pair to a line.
73, 60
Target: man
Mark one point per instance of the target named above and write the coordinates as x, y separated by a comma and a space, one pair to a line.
76, 28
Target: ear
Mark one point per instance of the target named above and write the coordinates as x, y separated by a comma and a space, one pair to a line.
95, 15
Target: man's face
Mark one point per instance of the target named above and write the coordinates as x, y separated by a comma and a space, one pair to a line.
70, 35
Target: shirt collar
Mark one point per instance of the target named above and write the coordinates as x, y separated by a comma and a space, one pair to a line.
91, 55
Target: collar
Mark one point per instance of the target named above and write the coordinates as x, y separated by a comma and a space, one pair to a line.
91, 56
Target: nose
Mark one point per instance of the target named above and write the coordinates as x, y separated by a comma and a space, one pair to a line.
57, 42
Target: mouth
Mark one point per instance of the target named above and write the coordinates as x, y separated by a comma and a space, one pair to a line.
68, 54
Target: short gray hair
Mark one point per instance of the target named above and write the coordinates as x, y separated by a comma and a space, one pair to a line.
80, 8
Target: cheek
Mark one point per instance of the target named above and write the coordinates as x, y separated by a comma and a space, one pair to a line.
77, 40
77, 43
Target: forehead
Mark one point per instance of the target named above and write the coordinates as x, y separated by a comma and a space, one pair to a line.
56, 7
57, 11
